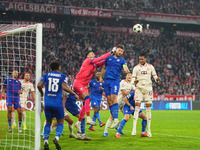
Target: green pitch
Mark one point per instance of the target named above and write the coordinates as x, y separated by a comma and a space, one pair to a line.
170, 130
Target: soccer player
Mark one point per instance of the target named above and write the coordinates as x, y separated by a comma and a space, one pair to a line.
27, 87
128, 110
13, 89
125, 88
96, 96
74, 109
142, 77
81, 82
112, 68
55, 83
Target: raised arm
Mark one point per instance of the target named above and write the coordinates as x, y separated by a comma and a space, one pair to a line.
101, 63
95, 60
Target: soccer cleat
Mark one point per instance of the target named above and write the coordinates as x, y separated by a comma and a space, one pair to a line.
72, 135
149, 133
91, 128
62, 133
144, 135
78, 126
46, 146
20, 129
10, 129
85, 137
117, 135
115, 123
133, 132
14, 126
121, 132
55, 141
102, 124
90, 122
24, 127
106, 135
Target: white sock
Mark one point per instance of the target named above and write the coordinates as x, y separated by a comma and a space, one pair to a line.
24, 117
46, 141
88, 118
57, 138
135, 117
108, 123
70, 129
44, 126
13, 118
148, 110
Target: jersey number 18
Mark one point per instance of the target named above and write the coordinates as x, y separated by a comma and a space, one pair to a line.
53, 84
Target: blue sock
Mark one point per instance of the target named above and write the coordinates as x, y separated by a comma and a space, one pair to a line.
98, 117
47, 131
144, 123
20, 123
93, 119
9, 122
59, 130
121, 126
83, 126
114, 109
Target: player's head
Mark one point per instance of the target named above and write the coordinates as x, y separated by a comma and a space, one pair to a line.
129, 77
55, 66
143, 58
90, 54
97, 76
15, 74
120, 50
27, 76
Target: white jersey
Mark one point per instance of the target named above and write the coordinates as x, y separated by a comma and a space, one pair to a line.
124, 85
143, 73
26, 88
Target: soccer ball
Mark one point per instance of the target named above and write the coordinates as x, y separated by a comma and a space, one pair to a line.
137, 28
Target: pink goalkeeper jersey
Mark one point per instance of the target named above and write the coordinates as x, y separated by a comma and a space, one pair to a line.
88, 68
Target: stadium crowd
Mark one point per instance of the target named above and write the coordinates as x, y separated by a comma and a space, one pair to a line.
176, 59
183, 7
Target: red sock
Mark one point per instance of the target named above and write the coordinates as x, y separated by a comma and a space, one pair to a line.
87, 106
82, 113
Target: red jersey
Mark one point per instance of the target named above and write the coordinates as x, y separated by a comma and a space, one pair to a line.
88, 68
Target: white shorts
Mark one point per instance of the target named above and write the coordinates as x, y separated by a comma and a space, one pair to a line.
143, 94
23, 102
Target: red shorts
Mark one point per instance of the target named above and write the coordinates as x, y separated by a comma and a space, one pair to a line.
79, 88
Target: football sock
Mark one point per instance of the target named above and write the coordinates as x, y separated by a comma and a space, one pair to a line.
20, 123
148, 110
59, 130
135, 117
121, 126
93, 119
24, 117
98, 117
108, 123
144, 123
70, 129
9, 122
82, 113
47, 131
87, 105
114, 109
83, 126
13, 118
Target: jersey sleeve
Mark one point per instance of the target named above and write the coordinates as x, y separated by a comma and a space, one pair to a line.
65, 79
101, 63
153, 72
20, 85
124, 62
90, 83
134, 75
106, 60
32, 88
95, 60
43, 79
122, 85
131, 95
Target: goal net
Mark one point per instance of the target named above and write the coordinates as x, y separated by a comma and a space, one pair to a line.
20, 52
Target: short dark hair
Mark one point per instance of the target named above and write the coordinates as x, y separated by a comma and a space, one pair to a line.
87, 52
144, 54
120, 46
54, 65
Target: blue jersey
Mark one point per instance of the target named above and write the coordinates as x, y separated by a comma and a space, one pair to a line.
130, 98
12, 87
53, 88
71, 99
96, 93
114, 67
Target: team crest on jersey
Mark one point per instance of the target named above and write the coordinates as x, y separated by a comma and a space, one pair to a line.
117, 59
148, 69
94, 83
110, 59
81, 89
100, 83
94, 103
94, 64
126, 110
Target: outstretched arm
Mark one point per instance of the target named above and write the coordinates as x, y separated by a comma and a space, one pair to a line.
95, 60
101, 63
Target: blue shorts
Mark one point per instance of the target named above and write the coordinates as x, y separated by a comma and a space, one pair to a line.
13, 101
53, 111
72, 108
111, 87
96, 102
128, 111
